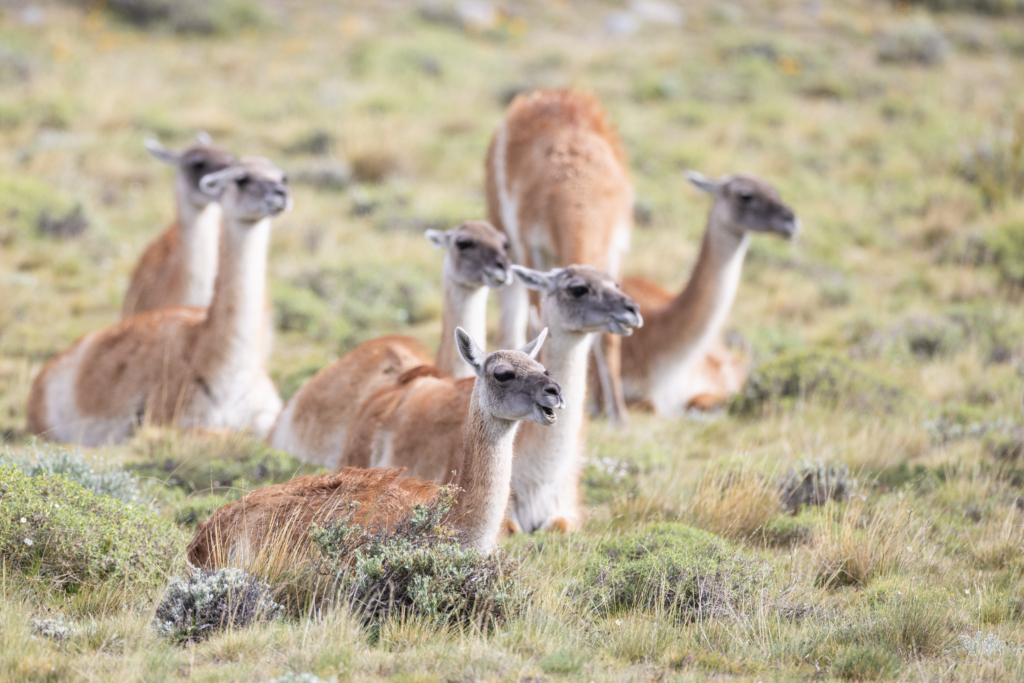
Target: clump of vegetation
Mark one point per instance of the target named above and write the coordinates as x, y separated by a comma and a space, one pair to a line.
813, 483
685, 571
913, 42
1004, 249
997, 7
54, 628
854, 544
202, 17
292, 677
204, 602
59, 531
814, 376
28, 203
735, 502
419, 567
71, 224
867, 663
54, 460
996, 164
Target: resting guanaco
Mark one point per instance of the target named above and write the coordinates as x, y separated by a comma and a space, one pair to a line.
178, 268
419, 423
557, 184
314, 424
677, 359
510, 386
192, 367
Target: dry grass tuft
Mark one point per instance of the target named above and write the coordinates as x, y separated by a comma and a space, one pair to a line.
736, 502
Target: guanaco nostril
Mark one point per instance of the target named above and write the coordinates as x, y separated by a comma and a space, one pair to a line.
551, 390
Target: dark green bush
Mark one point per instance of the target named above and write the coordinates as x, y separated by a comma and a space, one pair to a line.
867, 663
689, 572
1005, 251
813, 483
419, 566
57, 530
815, 376
205, 601
997, 7
203, 17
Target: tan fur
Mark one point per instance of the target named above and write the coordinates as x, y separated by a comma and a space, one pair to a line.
490, 427
565, 172
721, 372
157, 281
191, 366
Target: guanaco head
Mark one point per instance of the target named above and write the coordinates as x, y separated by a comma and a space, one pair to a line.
582, 299
512, 385
477, 254
747, 203
249, 190
192, 164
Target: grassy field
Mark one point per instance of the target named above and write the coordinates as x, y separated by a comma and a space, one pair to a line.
886, 340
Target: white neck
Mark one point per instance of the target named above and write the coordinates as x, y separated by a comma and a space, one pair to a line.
198, 237
236, 322
547, 458
698, 313
464, 307
487, 449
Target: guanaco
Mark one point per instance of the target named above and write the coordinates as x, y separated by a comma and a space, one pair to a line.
178, 268
418, 424
678, 360
314, 424
509, 387
557, 184
188, 366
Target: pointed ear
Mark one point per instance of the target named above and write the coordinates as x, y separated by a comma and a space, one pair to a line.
703, 183
439, 238
533, 348
470, 352
161, 153
203, 138
534, 279
213, 184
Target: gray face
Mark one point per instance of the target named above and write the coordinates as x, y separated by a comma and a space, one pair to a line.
755, 206
199, 160
250, 190
581, 298
512, 385
477, 254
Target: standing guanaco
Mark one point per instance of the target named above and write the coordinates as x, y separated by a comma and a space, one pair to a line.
192, 367
557, 184
509, 387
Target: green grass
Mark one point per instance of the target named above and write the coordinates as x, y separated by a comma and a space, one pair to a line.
885, 340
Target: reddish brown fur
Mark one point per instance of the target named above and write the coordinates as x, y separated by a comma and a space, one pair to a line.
382, 494
157, 281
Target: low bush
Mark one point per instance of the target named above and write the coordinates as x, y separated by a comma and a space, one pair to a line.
913, 42
996, 165
57, 530
815, 376
419, 567
996, 7
813, 483
733, 501
49, 459
853, 544
204, 602
187, 16
867, 663
54, 628
687, 572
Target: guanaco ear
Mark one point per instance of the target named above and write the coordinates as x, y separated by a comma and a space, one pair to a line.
535, 279
439, 238
213, 184
161, 153
203, 138
533, 348
703, 183
470, 352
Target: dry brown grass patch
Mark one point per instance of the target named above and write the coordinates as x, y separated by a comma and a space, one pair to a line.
735, 502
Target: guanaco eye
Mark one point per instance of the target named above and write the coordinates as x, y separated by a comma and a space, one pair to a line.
463, 245
504, 375
244, 181
579, 291
284, 180
745, 197
506, 245
199, 165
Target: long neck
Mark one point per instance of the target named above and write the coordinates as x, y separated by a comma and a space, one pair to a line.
464, 307
484, 477
235, 323
545, 455
199, 234
697, 315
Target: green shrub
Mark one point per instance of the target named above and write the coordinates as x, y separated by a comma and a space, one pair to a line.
815, 376
996, 7
1005, 250
418, 566
26, 201
996, 164
49, 459
203, 17
57, 530
867, 663
913, 42
199, 605
813, 483
688, 572
54, 628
